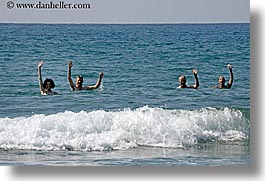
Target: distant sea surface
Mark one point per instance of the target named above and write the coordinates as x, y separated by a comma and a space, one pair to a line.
137, 116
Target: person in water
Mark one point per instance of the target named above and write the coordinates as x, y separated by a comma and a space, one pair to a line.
79, 80
48, 85
182, 81
222, 80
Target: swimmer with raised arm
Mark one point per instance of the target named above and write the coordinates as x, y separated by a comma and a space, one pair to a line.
79, 80
48, 85
222, 80
182, 81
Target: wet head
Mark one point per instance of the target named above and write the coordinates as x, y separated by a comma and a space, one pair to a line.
79, 81
48, 84
182, 80
221, 80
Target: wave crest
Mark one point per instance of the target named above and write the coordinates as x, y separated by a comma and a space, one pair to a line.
108, 130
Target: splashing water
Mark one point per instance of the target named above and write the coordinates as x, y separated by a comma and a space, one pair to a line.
101, 130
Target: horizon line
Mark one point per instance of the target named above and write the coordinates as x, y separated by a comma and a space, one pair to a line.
124, 23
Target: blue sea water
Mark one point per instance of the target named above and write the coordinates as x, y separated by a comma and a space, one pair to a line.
137, 116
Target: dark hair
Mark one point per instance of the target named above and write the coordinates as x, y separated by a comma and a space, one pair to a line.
80, 77
49, 80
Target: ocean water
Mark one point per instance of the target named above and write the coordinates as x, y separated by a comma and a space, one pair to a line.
137, 116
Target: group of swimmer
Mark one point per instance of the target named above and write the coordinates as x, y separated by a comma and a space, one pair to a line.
221, 80
47, 86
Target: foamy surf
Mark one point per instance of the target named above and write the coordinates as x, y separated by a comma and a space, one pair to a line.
120, 130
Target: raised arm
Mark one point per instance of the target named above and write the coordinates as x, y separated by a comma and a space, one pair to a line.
97, 84
195, 73
42, 90
70, 65
230, 82
196, 85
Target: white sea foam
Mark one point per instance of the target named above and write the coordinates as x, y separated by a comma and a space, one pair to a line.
101, 130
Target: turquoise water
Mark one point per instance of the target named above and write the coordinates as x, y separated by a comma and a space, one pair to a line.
137, 107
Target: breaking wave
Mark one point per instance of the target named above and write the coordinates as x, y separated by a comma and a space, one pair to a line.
120, 130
